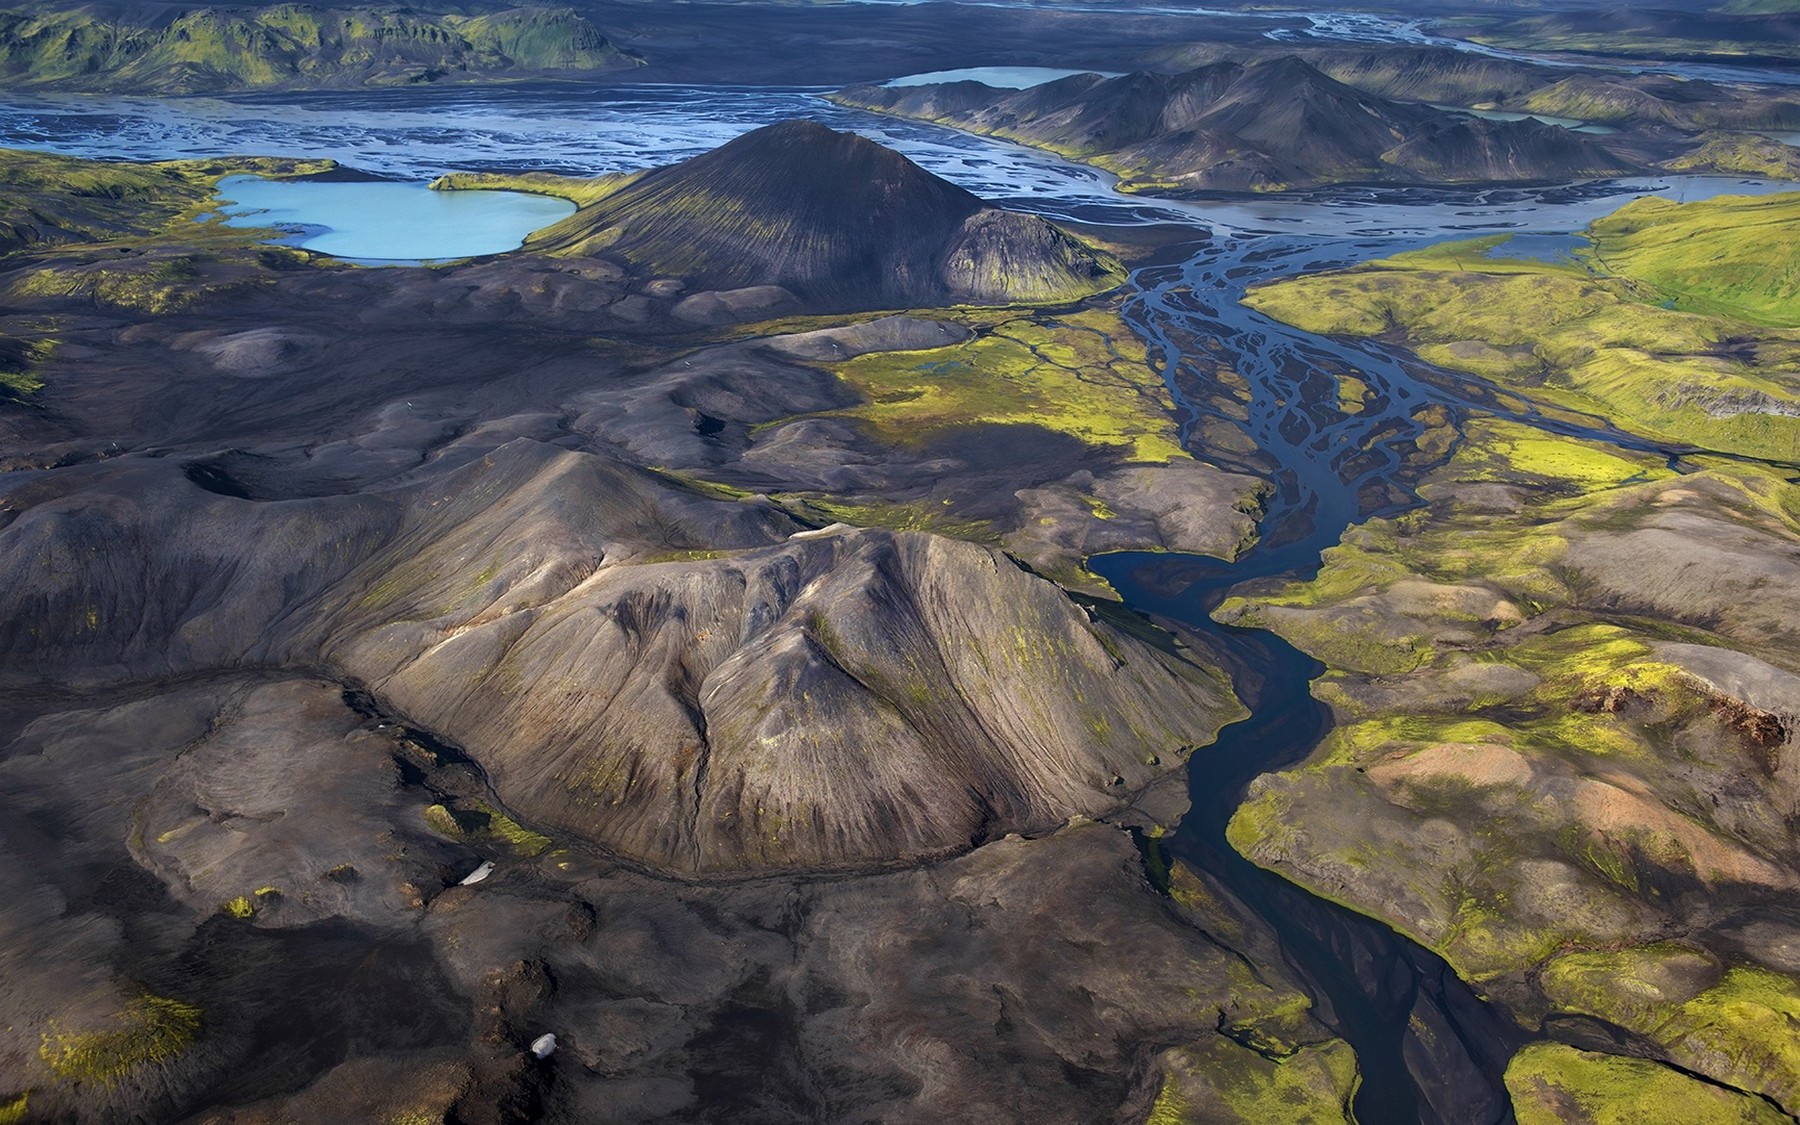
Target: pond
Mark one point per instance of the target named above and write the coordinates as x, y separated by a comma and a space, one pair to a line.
381, 222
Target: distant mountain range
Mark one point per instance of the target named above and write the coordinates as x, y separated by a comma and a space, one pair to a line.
1268, 125
291, 46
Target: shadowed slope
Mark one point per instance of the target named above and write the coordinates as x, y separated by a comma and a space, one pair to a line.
832, 217
1269, 125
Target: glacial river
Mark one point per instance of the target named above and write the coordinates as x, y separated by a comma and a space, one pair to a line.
1377, 984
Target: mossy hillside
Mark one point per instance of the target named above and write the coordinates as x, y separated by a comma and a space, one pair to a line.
1222, 1081
1555, 1084
579, 190
1394, 593
1732, 1023
939, 516
1595, 343
21, 362
156, 285
47, 199
1740, 154
1508, 792
1084, 374
480, 823
1735, 255
150, 1031
293, 46
1505, 830
1637, 33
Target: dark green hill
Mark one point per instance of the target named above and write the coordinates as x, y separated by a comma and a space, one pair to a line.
834, 218
1267, 125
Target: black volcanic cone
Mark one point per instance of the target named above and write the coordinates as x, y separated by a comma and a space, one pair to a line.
832, 217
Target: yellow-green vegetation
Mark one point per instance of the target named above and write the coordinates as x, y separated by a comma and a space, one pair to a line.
1649, 37
151, 1031
241, 907
1736, 255
1394, 593
1554, 1084
1503, 783
1734, 1024
293, 45
919, 515
153, 285
16, 1111
1220, 1080
1083, 374
478, 822
1740, 154
1669, 330
20, 360
47, 199
577, 189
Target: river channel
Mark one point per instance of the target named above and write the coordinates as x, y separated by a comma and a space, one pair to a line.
1331, 469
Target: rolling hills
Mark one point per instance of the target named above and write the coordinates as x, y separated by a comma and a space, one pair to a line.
294, 46
1270, 124
830, 217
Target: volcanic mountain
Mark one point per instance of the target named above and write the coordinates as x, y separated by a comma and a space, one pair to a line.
1268, 125
835, 219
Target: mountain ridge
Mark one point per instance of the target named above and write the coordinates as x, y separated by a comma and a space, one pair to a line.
295, 46
1272, 124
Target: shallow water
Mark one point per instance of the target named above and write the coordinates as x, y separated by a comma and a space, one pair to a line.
378, 221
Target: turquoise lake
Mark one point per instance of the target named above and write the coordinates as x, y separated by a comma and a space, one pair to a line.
384, 222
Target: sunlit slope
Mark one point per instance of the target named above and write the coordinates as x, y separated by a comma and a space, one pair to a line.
1678, 324
1737, 255
1275, 124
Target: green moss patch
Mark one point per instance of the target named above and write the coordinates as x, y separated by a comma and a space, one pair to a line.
151, 1031
1736, 1026
1221, 1080
49, 200
579, 190
1554, 1084
1083, 374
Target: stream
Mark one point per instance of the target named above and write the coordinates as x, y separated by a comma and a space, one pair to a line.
1331, 469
